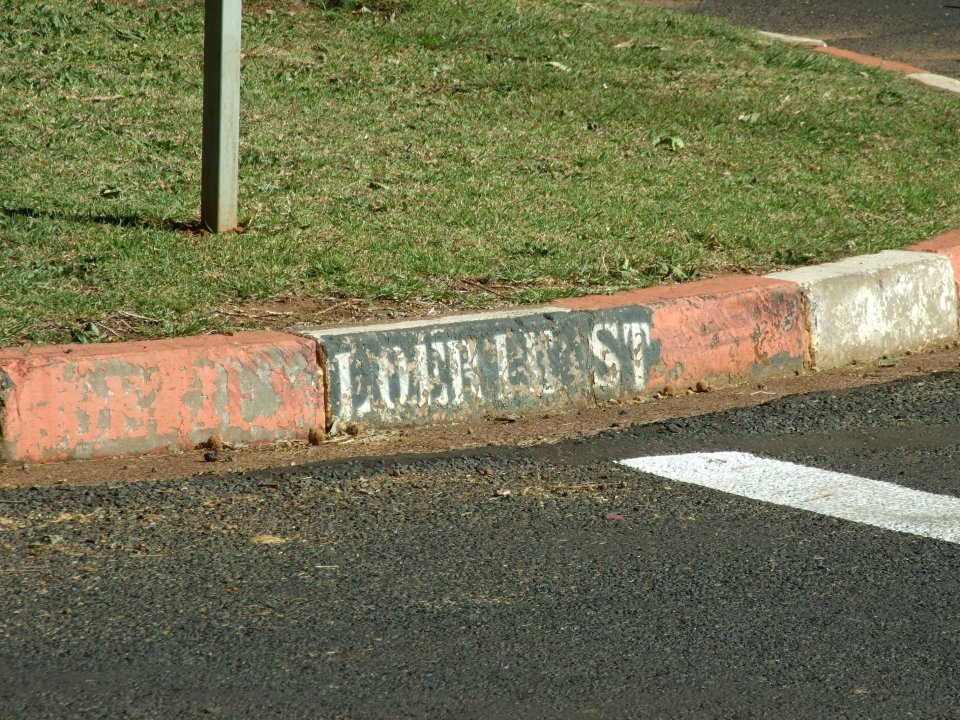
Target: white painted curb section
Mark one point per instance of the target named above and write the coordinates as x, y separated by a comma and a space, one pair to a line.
792, 39
941, 82
863, 308
848, 497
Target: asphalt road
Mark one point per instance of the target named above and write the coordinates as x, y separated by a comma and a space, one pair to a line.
925, 33
403, 588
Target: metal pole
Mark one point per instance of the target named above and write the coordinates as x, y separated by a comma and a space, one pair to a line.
221, 115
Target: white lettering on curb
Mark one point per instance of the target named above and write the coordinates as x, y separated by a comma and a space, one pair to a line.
384, 367
412, 378
436, 381
619, 348
503, 366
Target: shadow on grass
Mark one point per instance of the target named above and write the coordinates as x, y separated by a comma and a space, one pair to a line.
192, 227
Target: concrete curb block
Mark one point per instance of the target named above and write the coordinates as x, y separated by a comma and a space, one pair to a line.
579, 351
940, 82
870, 60
89, 401
862, 308
791, 39
455, 368
719, 330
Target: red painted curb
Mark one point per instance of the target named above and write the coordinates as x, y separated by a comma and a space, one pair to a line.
88, 401
718, 330
869, 60
948, 245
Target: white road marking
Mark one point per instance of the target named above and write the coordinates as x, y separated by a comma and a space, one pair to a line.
872, 502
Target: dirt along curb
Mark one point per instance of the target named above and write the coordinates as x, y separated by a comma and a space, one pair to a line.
92, 401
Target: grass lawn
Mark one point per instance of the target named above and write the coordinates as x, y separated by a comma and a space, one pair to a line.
444, 152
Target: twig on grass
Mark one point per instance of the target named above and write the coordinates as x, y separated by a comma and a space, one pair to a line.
331, 308
485, 288
135, 316
111, 331
264, 314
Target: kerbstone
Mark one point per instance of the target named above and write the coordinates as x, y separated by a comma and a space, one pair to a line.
88, 401
940, 82
862, 308
719, 331
792, 39
456, 368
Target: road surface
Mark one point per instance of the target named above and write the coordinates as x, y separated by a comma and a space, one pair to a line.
488, 583
924, 33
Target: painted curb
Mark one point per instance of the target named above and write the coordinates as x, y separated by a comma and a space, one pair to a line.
791, 39
939, 82
89, 401
719, 330
579, 351
455, 368
869, 60
919, 75
600, 348
864, 307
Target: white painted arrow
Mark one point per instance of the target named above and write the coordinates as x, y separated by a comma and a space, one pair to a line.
873, 502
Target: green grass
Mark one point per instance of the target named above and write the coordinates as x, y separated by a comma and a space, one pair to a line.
417, 149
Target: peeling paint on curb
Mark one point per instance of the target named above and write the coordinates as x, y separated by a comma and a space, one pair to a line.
89, 401
864, 307
85, 401
791, 39
455, 368
719, 331
582, 350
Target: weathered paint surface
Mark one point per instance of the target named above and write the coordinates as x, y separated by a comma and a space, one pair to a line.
86, 401
865, 307
622, 350
948, 245
415, 373
715, 330
791, 39
577, 351
869, 60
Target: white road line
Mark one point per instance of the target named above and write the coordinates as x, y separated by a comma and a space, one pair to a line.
872, 502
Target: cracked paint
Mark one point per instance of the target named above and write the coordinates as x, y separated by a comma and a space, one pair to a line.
98, 400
